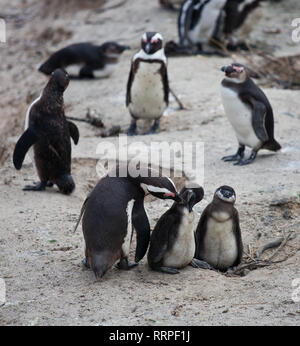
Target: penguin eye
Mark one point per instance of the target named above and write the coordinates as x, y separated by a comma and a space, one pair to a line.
154, 40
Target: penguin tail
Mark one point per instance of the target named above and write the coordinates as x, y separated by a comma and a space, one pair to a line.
81, 213
272, 145
65, 184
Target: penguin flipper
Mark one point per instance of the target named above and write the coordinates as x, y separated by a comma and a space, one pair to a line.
159, 242
74, 132
258, 120
28, 138
81, 213
129, 84
238, 235
200, 233
142, 227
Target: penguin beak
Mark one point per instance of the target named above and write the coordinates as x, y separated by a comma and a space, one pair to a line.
148, 48
125, 48
228, 70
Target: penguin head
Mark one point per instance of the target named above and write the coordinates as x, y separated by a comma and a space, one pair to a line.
235, 71
160, 187
113, 48
151, 42
191, 196
226, 194
60, 79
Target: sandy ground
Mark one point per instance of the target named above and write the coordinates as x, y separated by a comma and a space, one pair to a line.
40, 256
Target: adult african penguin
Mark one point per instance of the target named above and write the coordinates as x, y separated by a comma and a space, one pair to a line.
110, 212
218, 235
48, 131
249, 112
148, 87
85, 60
200, 21
172, 242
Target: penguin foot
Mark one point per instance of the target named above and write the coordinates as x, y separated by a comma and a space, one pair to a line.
154, 128
168, 270
246, 162
85, 263
124, 264
200, 264
235, 157
132, 129
37, 187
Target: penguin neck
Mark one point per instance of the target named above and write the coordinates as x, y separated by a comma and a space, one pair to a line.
159, 55
53, 100
221, 211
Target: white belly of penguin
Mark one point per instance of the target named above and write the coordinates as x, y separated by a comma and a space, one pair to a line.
220, 246
208, 20
147, 92
183, 250
240, 117
127, 239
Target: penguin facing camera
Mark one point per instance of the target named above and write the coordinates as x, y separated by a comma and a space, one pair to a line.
218, 235
147, 94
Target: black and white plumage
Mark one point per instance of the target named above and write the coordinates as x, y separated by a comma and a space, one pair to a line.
199, 21
49, 132
172, 242
110, 212
249, 112
147, 94
85, 60
218, 235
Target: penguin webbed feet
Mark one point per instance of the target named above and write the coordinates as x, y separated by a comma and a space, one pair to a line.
196, 263
39, 186
168, 270
236, 157
124, 264
154, 128
132, 129
242, 162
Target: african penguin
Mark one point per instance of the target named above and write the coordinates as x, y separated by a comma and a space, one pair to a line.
48, 131
200, 21
85, 60
218, 234
249, 113
236, 14
110, 212
172, 242
148, 87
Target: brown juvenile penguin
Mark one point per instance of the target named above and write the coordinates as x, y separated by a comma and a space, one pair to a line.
172, 242
48, 131
218, 235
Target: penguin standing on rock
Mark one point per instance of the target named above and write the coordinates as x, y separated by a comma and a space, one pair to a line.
114, 206
148, 87
249, 112
172, 242
48, 131
87, 59
218, 234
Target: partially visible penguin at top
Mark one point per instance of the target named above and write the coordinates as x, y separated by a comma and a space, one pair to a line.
147, 94
85, 60
49, 132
